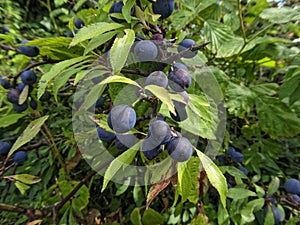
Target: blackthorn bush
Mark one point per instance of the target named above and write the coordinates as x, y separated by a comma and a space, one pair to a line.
159, 132
20, 108
180, 108
105, 135
30, 51
149, 150
4, 82
33, 104
116, 8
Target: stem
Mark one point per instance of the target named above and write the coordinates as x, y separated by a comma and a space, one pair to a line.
241, 21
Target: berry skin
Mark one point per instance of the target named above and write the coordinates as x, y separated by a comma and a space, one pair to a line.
33, 104
180, 66
163, 7
158, 78
179, 80
104, 135
20, 157
145, 50
243, 169
4, 148
276, 213
20, 87
185, 44
79, 23
236, 157
70, 33
159, 132
180, 149
295, 199
30, 51
116, 8
28, 77
180, 110
99, 102
4, 82
13, 95
139, 37
148, 149
121, 118
292, 186
157, 37
5, 30
20, 108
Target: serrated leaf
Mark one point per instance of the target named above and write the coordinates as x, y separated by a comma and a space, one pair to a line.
273, 186
120, 49
99, 40
28, 134
217, 33
291, 88
10, 119
215, 176
118, 163
25, 178
239, 193
24, 94
163, 95
152, 217
188, 184
50, 42
271, 113
22, 187
55, 71
192, 10
287, 14
93, 30
202, 117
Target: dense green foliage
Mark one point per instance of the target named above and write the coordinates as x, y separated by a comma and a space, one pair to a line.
234, 146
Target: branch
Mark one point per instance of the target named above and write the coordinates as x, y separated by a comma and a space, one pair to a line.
31, 213
82, 182
135, 71
8, 48
179, 55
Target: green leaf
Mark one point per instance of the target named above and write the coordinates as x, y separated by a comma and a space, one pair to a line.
56, 70
22, 187
120, 49
230, 47
223, 216
291, 88
135, 217
273, 186
240, 100
239, 193
188, 184
215, 176
155, 190
272, 113
99, 40
126, 10
269, 218
119, 79
192, 11
25, 178
118, 163
152, 217
250, 208
93, 30
10, 119
217, 33
92, 96
28, 134
265, 89
287, 14
163, 95
235, 172
24, 94
202, 117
